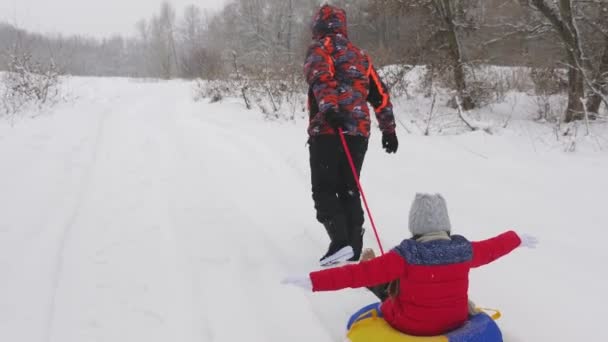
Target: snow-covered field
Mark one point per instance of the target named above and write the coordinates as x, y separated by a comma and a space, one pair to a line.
135, 214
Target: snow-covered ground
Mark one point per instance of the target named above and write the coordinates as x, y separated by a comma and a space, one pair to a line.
135, 214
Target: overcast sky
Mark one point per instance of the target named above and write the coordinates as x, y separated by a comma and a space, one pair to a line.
99, 18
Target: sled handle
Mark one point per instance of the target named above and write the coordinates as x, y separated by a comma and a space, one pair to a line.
373, 313
495, 314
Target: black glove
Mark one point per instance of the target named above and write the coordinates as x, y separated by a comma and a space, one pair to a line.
335, 120
390, 142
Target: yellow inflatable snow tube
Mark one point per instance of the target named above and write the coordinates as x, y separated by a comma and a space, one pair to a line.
367, 325
374, 328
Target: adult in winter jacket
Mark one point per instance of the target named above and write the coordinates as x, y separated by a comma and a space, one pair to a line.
342, 80
432, 270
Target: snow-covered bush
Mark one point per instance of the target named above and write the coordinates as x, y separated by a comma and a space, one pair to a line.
548, 82
486, 84
490, 84
28, 82
276, 99
396, 79
214, 90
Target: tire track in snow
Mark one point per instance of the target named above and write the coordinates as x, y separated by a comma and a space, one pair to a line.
141, 274
132, 165
212, 239
175, 195
69, 226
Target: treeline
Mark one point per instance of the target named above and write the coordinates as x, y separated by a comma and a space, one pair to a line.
75, 55
267, 40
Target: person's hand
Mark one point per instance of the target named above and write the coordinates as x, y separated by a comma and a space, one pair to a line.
302, 281
528, 241
335, 119
390, 142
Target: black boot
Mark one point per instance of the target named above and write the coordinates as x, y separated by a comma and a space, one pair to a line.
336, 253
339, 248
356, 241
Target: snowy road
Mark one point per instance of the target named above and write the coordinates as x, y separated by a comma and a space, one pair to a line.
136, 215
139, 223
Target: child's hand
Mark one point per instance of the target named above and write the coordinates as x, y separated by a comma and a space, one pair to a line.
528, 241
302, 281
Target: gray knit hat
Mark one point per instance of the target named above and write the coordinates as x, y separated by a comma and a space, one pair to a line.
429, 214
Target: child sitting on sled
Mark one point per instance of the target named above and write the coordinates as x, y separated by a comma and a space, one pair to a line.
428, 273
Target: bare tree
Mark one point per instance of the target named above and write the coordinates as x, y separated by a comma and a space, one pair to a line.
162, 48
193, 55
600, 85
562, 15
448, 10
448, 22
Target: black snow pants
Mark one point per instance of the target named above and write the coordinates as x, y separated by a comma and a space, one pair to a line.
334, 189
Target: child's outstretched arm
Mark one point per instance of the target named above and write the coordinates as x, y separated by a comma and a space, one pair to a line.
367, 273
486, 251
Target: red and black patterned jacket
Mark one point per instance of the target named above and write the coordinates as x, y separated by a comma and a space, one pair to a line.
342, 78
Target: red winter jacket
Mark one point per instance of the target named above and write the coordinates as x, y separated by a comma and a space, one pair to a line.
434, 280
342, 79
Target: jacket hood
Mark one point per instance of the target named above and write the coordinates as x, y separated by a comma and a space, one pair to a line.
329, 20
